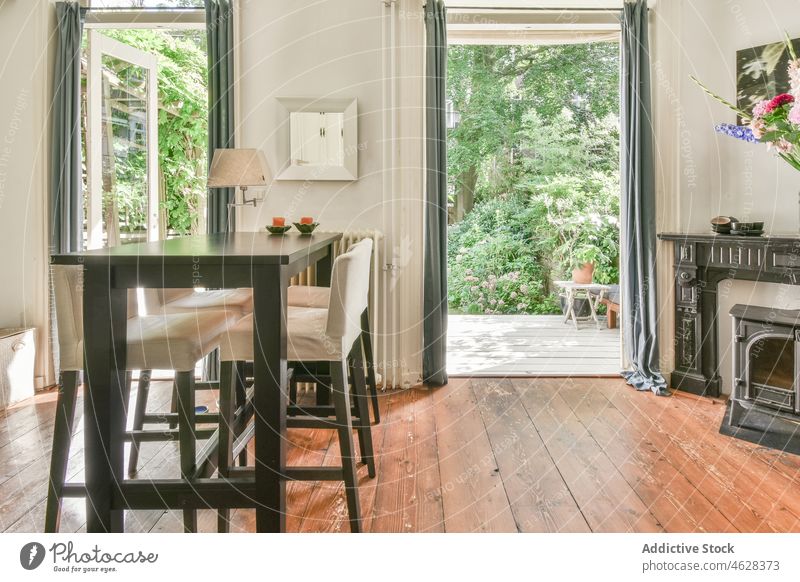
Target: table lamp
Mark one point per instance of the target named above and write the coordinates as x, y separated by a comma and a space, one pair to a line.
239, 168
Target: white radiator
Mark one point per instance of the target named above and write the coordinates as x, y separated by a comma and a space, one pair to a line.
377, 309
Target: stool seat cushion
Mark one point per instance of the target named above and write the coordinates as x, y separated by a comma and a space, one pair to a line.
309, 296
183, 301
306, 338
175, 341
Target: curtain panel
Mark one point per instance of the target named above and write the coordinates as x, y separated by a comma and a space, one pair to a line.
66, 194
66, 191
638, 205
434, 366
219, 32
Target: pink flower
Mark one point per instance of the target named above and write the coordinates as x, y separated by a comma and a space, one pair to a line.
779, 101
784, 146
794, 76
758, 127
794, 114
760, 109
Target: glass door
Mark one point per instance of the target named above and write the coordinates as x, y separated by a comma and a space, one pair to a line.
122, 149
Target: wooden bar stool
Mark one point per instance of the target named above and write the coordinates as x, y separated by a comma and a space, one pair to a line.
331, 336
169, 342
237, 302
319, 298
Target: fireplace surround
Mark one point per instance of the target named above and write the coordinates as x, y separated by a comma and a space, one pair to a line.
701, 261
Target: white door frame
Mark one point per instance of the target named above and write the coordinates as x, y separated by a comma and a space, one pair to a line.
100, 45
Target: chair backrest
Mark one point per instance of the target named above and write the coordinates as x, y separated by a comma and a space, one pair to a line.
349, 292
68, 291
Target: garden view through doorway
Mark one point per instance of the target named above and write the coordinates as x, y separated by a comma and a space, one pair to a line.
533, 182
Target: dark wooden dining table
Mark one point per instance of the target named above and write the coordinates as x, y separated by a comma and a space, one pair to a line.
257, 260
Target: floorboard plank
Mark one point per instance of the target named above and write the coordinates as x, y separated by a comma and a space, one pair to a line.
408, 498
540, 499
751, 497
603, 495
474, 499
647, 467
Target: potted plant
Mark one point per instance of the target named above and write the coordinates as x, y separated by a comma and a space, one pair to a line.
588, 251
583, 259
588, 241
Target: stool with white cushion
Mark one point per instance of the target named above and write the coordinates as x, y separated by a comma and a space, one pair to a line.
319, 298
238, 302
315, 335
175, 341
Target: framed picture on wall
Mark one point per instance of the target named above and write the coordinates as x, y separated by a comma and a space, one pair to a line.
761, 73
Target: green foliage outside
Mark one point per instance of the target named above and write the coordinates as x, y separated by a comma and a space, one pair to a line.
182, 131
533, 172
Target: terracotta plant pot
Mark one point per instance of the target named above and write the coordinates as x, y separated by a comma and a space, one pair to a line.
583, 275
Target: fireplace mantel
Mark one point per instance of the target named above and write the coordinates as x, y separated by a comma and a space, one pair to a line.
701, 261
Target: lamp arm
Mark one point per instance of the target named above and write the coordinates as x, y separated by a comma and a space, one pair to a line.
245, 201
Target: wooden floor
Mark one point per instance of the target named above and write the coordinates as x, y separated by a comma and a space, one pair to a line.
530, 345
501, 455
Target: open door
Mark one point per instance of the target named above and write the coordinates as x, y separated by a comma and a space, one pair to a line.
122, 148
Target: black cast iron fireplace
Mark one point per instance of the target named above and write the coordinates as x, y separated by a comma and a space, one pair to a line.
765, 398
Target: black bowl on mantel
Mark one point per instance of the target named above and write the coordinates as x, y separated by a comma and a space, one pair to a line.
747, 228
722, 224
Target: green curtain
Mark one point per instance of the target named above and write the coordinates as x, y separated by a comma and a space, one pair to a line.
638, 205
434, 355
66, 196
219, 31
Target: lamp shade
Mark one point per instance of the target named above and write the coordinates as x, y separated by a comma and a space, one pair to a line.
238, 167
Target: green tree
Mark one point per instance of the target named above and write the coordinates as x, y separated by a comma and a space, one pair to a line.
497, 89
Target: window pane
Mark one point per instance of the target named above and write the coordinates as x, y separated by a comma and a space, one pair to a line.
124, 123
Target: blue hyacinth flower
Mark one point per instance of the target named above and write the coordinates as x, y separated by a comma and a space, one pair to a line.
737, 131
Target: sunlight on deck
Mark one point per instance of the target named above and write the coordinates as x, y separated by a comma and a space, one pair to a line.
524, 345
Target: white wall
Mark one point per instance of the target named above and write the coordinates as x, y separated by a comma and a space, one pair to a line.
24, 142
341, 48
704, 174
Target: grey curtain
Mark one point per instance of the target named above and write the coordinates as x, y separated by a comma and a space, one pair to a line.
434, 355
219, 35
66, 192
219, 32
66, 196
639, 305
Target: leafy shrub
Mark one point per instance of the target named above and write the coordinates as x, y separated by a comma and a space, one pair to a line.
495, 262
505, 254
